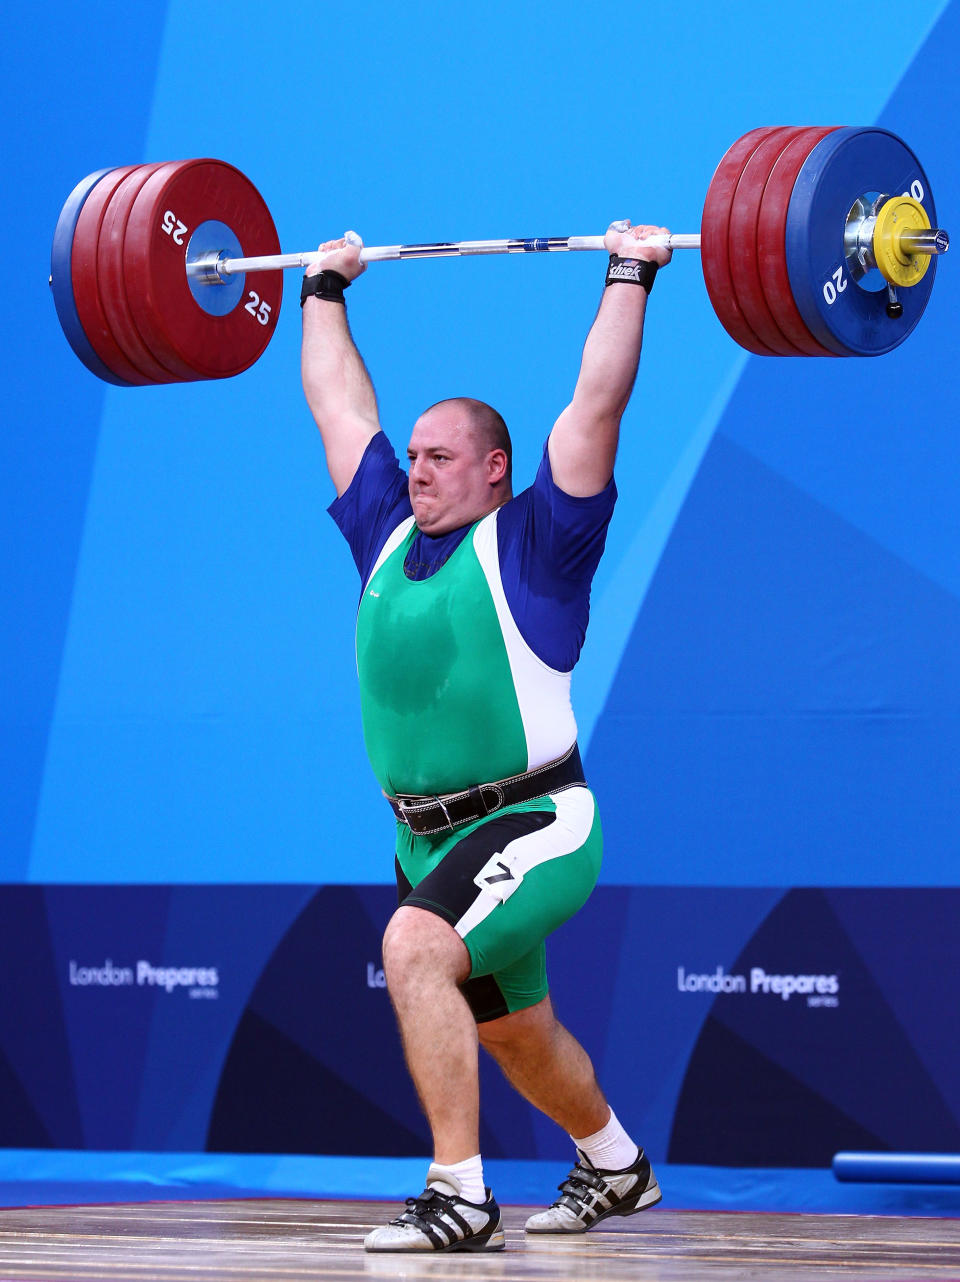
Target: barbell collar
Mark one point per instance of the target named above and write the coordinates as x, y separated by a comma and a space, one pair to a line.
207, 268
858, 238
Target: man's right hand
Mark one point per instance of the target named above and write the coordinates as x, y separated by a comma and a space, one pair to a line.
338, 256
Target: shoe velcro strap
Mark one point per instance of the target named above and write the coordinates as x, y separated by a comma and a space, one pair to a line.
582, 1190
586, 1206
427, 1217
409, 1219
581, 1177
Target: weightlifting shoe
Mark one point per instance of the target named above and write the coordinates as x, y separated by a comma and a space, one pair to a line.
588, 1196
441, 1221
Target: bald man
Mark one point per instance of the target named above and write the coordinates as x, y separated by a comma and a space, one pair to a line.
472, 615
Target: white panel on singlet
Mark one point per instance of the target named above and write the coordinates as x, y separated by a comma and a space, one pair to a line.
543, 694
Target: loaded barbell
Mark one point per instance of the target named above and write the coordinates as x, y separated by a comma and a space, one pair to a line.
814, 242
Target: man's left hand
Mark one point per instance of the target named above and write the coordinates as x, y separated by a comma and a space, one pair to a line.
622, 239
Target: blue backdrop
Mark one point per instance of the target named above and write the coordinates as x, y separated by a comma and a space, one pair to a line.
771, 674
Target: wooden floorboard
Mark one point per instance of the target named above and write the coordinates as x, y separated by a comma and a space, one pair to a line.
303, 1241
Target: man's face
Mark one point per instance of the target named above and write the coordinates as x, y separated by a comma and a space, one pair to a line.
450, 479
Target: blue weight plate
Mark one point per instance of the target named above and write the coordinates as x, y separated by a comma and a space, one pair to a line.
61, 280
844, 316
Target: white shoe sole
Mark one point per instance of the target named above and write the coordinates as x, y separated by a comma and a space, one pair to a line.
492, 1242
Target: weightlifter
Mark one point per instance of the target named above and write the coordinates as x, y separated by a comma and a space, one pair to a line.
473, 611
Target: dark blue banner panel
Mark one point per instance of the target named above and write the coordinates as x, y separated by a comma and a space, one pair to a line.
774, 1027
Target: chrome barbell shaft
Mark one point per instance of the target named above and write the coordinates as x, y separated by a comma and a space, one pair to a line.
219, 266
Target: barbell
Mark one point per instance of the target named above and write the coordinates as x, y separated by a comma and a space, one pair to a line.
814, 242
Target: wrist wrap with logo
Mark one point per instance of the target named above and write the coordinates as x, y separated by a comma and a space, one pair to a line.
631, 271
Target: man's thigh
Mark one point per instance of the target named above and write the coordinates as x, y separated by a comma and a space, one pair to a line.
505, 887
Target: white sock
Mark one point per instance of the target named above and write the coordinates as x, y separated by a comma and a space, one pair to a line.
610, 1148
469, 1174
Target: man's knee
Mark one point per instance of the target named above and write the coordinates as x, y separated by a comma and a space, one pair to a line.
416, 942
521, 1026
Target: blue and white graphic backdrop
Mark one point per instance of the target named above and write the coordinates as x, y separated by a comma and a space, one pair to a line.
195, 858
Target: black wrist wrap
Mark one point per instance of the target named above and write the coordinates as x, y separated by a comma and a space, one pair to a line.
631, 271
326, 284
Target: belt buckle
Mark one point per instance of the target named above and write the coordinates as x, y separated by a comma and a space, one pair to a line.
402, 806
446, 812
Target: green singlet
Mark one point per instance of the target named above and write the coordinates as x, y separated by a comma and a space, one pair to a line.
451, 696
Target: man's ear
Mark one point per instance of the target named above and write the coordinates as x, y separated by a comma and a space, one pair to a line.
496, 466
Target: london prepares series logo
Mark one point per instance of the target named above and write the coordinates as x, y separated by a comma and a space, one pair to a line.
819, 990
196, 981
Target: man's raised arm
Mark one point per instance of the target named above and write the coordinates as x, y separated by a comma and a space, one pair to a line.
335, 380
583, 443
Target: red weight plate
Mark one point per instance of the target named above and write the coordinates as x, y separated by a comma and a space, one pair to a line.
136, 270
742, 242
131, 273
714, 241
199, 192
110, 279
83, 276
771, 241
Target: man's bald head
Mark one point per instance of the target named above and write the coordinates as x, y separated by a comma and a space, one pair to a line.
486, 426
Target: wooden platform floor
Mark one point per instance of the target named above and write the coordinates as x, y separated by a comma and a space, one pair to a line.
297, 1241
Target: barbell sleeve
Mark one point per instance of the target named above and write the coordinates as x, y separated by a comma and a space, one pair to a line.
932, 240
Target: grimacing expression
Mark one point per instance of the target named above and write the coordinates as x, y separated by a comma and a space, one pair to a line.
451, 478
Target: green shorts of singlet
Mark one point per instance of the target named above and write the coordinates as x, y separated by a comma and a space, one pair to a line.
504, 884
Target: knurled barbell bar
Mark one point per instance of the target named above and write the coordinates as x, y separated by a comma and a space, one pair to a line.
814, 241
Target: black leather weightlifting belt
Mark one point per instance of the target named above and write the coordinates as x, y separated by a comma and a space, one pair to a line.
428, 815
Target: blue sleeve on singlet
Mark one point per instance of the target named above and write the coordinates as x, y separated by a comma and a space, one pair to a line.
373, 504
550, 545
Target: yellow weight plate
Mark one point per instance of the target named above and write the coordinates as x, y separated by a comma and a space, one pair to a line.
896, 216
